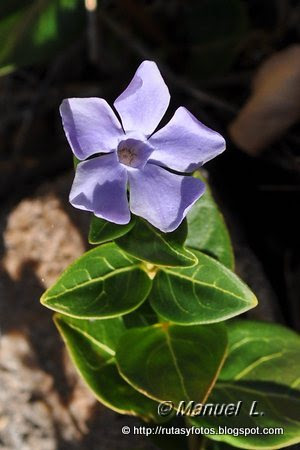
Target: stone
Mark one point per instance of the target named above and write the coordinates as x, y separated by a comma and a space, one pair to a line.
45, 404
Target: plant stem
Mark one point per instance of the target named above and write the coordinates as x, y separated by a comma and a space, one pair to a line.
195, 442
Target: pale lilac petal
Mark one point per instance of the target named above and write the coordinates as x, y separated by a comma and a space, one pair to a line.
144, 102
184, 144
100, 187
90, 126
161, 197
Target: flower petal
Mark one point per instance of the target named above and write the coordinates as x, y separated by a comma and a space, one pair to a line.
184, 144
161, 197
145, 100
90, 126
100, 187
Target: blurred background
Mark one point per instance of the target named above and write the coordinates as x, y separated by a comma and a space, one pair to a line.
236, 65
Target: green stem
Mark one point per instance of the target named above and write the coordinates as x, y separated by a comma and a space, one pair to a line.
203, 443
195, 441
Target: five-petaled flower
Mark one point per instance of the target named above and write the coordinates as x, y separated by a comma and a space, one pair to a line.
130, 153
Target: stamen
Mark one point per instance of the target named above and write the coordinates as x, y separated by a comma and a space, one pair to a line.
127, 156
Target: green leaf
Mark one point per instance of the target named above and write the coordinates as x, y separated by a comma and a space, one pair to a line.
152, 245
102, 231
263, 366
169, 362
264, 352
140, 317
278, 407
207, 230
91, 345
205, 293
76, 161
36, 30
103, 283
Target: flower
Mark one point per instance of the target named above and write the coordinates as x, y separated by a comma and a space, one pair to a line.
130, 153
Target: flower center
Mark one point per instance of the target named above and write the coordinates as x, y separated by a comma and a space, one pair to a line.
134, 153
127, 156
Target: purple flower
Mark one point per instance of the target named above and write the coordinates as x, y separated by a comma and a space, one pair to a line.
130, 154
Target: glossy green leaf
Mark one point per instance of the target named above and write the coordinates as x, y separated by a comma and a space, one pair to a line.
141, 317
152, 245
205, 293
264, 352
263, 366
103, 283
277, 407
169, 362
36, 30
91, 345
207, 230
102, 231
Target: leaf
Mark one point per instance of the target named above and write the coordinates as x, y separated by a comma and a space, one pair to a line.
264, 352
102, 231
103, 283
140, 317
76, 161
279, 406
150, 244
35, 30
263, 366
207, 230
91, 345
273, 105
169, 362
205, 293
